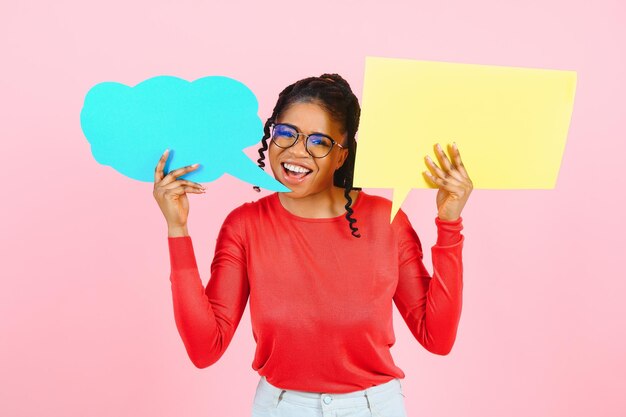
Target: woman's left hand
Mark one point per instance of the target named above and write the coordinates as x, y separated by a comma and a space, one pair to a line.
454, 184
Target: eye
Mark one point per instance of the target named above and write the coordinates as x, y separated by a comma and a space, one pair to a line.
320, 141
284, 131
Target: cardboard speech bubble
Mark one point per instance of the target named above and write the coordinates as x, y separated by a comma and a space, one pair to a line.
509, 123
208, 121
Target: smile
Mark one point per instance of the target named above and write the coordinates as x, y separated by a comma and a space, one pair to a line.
296, 168
294, 174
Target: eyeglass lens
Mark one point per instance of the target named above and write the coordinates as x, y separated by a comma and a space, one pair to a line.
317, 145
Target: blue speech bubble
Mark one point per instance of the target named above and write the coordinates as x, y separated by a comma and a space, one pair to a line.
207, 121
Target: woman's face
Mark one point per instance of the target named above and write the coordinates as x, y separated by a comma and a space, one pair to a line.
307, 118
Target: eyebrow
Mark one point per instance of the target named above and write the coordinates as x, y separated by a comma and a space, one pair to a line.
312, 133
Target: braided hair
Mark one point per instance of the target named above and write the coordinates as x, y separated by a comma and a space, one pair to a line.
334, 94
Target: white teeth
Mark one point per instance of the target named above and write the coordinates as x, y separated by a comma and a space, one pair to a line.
296, 168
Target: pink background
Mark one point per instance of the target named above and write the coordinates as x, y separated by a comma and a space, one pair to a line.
85, 309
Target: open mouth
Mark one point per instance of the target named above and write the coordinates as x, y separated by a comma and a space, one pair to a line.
295, 173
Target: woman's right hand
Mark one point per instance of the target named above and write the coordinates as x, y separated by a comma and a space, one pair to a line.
170, 192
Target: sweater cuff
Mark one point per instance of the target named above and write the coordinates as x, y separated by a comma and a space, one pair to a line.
448, 232
182, 255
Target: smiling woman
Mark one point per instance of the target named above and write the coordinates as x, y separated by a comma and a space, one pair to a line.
324, 111
310, 178
320, 297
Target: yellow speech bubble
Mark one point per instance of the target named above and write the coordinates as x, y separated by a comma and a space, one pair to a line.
509, 123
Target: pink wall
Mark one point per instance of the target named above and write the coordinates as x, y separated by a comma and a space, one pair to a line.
85, 311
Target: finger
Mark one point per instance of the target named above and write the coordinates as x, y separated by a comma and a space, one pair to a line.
458, 162
179, 183
430, 177
449, 184
158, 171
175, 193
440, 173
443, 158
434, 179
432, 165
173, 175
446, 185
449, 181
459, 189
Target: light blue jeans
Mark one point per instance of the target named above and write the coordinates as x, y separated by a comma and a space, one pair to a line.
384, 400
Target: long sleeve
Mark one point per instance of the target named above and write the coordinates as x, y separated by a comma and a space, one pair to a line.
206, 318
431, 306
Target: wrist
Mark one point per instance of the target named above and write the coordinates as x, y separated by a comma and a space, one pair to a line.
448, 231
445, 219
177, 231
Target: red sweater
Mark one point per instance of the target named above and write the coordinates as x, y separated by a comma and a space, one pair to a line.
320, 299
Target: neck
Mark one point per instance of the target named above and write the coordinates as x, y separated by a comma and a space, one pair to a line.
325, 204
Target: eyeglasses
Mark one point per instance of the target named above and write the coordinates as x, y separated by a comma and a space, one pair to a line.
317, 145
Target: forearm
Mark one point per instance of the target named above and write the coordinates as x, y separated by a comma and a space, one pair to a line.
193, 313
445, 297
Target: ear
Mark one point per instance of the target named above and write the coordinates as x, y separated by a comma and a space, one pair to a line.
342, 158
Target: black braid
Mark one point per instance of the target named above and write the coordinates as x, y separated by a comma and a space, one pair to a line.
335, 95
266, 129
266, 135
348, 188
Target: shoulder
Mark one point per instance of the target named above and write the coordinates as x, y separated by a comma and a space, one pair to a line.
373, 215
371, 202
378, 207
404, 235
251, 209
238, 222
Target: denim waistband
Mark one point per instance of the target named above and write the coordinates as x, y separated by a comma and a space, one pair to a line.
323, 400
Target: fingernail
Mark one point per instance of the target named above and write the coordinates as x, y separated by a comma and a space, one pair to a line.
195, 165
454, 144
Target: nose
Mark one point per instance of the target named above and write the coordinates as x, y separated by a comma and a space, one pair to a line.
299, 147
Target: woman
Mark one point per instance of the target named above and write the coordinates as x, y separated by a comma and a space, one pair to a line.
321, 266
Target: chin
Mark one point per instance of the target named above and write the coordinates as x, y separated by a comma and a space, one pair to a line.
295, 193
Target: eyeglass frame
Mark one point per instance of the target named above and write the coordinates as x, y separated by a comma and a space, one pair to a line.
298, 134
